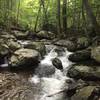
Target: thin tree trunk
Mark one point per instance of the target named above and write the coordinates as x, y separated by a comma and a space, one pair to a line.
84, 25
37, 18
58, 17
74, 15
18, 12
91, 16
64, 15
45, 13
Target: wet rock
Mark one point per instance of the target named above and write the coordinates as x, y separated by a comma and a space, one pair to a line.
8, 43
71, 46
24, 58
7, 36
45, 71
46, 34
84, 72
60, 51
39, 46
20, 35
95, 95
3, 50
84, 93
95, 53
80, 56
57, 63
13, 45
83, 42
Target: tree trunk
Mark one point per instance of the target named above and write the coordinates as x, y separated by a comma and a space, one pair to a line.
36, 23
64, 15
58, 17
45, 13
84, 24
18, 11
91, 16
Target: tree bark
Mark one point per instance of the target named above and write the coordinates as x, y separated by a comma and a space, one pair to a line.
36, 23
64, 15
45, 12
18, 12
91, 16
58, 17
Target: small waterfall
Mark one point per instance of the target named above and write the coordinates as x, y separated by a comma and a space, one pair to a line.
51, 86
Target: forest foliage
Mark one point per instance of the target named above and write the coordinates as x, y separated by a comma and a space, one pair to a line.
33, 14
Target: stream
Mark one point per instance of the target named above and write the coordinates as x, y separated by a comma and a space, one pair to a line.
50, 80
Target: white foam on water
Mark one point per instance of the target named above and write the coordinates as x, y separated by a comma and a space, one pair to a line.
55, 83
49, 57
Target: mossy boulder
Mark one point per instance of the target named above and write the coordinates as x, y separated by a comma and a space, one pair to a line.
84, 72
95, 53
46, 35
20, 35
3, 50
24, 58
7, 36
71, 46
83, 42
39, 46
13, 45
80, 56
84, 93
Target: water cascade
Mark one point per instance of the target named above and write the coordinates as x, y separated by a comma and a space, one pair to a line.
52, 85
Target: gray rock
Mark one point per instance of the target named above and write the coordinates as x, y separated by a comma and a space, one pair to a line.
46, 34
84, 93
3, 50
24, 58
84, 72
7, 36
83, 42
44, 71
80, 56
13, 45
57, 63
95, 53
20, 35
71, 46
39, 46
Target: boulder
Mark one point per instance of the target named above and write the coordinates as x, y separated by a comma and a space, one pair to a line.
7, 36
83, 42
80, 56
9, 44
71, 46
96, 41
46, 35
60, 51
84, 93
3, 50
24, 58
95, 53
20, 35
45, 70
57, 63
84, 72
39, 46
13, 45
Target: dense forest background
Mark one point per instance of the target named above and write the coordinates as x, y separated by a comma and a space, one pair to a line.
49, 49
59, 16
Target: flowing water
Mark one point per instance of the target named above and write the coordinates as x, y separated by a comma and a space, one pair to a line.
48, 79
